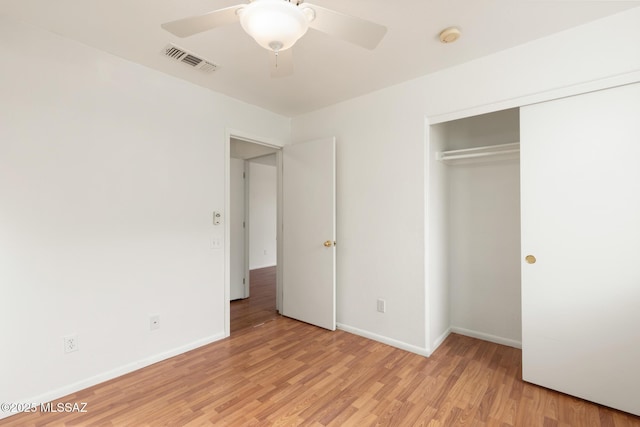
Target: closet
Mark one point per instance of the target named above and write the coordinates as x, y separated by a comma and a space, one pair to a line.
547, 245
479, 202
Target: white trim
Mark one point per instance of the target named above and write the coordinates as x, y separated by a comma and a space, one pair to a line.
263, 266
537, 97
426, 203
440, 340
246, 229
486, 337
385, 340
227, 232
248, 137
114, 373
279, 231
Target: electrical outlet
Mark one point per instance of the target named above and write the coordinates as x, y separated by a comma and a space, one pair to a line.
154, 322
382, 305
70, 343
216, 243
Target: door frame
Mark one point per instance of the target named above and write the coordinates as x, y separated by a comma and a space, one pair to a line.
245, 227
266, 142
246, 230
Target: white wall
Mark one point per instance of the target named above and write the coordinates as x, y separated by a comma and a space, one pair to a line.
109, 173
380, 216
501, 127
381, 163
567, 63
484, 256
263, 187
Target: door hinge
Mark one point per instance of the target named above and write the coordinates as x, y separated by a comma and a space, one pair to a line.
243, 224
244, 175
243, 281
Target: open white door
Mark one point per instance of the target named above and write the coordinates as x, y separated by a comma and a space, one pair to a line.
309, 232
581, 221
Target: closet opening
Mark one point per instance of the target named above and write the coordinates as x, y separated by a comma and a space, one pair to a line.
473, 225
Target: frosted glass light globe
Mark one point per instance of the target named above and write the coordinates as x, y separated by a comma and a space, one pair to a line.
275, 24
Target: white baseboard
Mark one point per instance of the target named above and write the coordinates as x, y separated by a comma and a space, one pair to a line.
114, 373
257, 267
486, 337
440, 340
385, 340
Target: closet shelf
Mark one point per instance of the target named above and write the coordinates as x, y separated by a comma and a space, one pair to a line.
480, 154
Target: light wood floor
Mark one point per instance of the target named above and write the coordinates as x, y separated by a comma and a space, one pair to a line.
281, 372
261, 305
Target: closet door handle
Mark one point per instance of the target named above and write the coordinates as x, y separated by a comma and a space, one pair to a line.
530, 259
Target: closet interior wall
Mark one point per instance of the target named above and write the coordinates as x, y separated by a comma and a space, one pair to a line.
474, 224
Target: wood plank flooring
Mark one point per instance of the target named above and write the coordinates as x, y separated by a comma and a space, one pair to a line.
261, 305
287, 373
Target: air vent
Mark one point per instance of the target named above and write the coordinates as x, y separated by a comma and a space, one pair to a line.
188, 58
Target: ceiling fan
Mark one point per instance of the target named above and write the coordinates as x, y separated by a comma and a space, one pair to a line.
276, 25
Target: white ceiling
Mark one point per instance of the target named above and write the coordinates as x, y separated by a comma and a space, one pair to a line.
327, 70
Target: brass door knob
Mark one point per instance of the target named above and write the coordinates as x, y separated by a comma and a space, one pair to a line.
328, 244
530, 259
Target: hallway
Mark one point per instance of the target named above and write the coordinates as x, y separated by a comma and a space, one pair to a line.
260, 307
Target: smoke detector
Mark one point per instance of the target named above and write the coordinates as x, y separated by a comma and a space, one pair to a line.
450, 35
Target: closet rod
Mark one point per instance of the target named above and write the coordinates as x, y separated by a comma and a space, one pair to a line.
479, 152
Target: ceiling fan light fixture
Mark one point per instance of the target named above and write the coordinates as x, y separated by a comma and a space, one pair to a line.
274, 24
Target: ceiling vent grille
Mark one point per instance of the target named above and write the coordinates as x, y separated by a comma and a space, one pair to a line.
178, 54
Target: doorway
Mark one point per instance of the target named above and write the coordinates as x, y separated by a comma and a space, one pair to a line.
253, 228
306, 253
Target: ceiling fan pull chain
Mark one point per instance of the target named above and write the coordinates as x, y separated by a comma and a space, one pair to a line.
276, 46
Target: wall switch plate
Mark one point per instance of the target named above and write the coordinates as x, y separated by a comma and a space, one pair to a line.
382, 305
154, 322
70, 343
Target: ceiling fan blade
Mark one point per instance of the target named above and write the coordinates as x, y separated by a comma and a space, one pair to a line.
282, 65
349, 28
196, 24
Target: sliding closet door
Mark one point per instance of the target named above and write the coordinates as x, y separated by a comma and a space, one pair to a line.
580, 182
